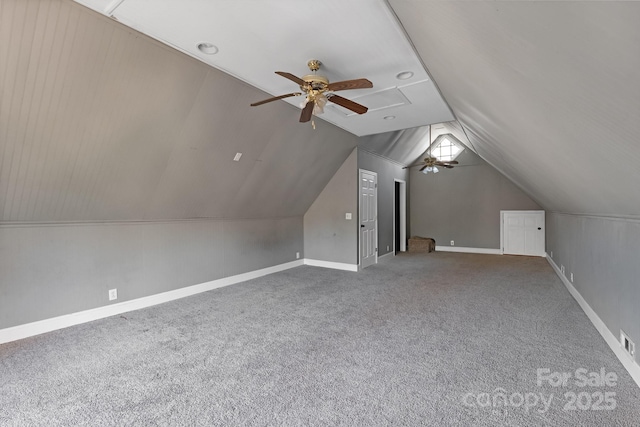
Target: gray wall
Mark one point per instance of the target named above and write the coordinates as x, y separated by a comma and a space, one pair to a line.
57, 269
101, 123
387, 172
328, 236
603, 254
463, 204
117, 142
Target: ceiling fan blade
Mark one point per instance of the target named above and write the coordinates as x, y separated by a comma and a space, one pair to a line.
453, 162
447, 166
412, 166
348, 104
350, 84
307, 111
275, 98
423, 168
291, 77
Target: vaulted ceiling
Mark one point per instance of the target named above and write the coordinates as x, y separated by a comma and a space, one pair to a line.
547, 92
100, 122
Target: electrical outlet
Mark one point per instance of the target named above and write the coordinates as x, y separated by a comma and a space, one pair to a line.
347, 215
297, 255
571, 274
452, 243
551, 254
388, 248
627, 345
562, 269
113, 294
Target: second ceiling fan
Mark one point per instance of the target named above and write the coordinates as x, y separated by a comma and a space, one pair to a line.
431, 163
319, 90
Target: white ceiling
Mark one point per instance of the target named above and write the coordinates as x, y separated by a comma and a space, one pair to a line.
256, 38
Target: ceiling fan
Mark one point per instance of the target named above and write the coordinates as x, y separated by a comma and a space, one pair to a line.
318, 91
430, 164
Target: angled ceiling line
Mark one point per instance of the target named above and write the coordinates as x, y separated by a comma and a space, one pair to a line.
499, 169
415, 51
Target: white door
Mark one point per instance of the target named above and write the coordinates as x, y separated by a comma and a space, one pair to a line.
523, 233
368, 218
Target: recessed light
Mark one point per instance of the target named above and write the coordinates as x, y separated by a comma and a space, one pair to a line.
237, 157
404, 75
389, 117
208, 48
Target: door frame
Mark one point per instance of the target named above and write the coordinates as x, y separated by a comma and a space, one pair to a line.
523, 212
375, 223
403, 215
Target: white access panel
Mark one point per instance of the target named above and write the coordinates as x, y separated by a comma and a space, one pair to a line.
522, 233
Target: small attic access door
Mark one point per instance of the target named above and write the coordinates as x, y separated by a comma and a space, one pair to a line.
368, 189
522, 233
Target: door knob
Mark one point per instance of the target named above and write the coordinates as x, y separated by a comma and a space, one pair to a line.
539, 228
361, 225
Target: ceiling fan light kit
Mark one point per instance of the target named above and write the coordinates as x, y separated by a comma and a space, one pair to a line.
319, 91
430, 164
428, 169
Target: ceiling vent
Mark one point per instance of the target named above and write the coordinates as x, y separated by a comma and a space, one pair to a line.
382, 100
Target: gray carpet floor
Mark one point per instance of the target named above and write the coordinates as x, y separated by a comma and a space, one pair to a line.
439, 339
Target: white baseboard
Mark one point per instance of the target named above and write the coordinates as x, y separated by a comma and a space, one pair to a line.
331, 264
468, 250
55, 323
631, 367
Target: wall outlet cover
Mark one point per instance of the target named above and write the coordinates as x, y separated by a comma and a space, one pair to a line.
113, 294
297, 255
627, 345
452, 243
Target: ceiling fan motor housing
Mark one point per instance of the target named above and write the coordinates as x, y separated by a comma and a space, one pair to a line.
316, 82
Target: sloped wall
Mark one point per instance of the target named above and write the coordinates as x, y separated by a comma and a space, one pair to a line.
117, 171
463, 204
328, 235
100, 123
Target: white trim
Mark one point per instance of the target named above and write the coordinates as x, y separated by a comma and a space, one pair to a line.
609, 337
385, 256
468, 250
331, 264
60, 322
403, 215
543, 253
360, 170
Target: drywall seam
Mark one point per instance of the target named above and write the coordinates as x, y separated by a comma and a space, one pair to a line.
622, 218
31, 224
